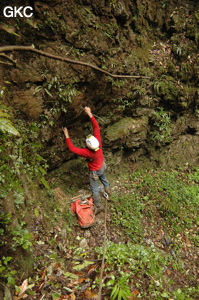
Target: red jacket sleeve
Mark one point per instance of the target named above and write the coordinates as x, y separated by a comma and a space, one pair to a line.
96, 130
79, 151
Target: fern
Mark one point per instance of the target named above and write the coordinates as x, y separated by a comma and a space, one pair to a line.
6, 125
4, 115
170, 205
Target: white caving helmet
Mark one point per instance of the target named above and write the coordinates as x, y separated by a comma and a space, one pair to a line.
92, 143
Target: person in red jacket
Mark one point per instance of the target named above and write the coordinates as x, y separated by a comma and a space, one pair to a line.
95, 159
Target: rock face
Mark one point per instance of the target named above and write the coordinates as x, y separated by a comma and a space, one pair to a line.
176, 153
30, 104
143, 116
128, 132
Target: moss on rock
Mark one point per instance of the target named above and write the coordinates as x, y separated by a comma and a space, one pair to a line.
128, 132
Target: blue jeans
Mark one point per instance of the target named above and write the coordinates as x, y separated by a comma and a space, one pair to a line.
94, 176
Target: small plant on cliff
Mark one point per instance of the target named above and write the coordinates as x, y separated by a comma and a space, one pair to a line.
21, 237
6, 124
167, 88
162, 127
54, 87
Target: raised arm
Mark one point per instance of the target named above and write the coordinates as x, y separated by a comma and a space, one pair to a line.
79, 151
95, 125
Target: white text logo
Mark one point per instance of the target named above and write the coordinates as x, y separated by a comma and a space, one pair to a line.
10, 12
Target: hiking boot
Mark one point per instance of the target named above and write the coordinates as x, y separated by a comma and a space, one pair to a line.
107, 190
97, 200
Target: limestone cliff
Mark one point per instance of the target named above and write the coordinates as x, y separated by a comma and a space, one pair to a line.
153, 119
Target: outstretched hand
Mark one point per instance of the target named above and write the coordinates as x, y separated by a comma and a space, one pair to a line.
88, 111
65, 130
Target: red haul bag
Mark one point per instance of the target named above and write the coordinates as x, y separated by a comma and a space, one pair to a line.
84, 210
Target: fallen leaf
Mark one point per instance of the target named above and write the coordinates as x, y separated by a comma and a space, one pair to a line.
23, 287
135, 292
92, 269
75, 282
89, 294
85, 264
11, 30
71, 275
56, 266
72, 296
168, 272
68, 289
56, 296
43, 274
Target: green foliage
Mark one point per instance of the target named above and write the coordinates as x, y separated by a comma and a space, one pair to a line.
169, 199
21, 237
120, 289
161, 133
62, 95
130, 99
178, 50
21, 160
124, 103
113, 3
4, 220
19, 198
54, 87
195, 175
171, 193
130, 222
167, 88
156, 192
48, 23
21, 164
6, 272
177, 193
139, 91
118, 83
19, 234
11, 239
135, 258
6, 124
171, 196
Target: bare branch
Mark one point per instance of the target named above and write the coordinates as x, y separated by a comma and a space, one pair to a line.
78, 62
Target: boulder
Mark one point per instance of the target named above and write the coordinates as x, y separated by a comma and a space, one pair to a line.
127, 132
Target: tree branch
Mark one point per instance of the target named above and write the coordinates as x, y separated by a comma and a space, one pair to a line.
78, 62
